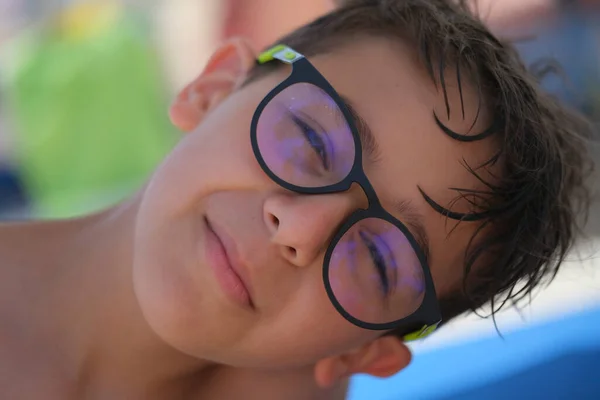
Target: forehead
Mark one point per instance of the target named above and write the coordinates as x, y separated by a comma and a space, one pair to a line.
393, 93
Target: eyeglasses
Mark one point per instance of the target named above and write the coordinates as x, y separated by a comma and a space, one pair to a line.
305, 139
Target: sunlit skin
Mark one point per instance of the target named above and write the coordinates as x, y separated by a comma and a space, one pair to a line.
123, 299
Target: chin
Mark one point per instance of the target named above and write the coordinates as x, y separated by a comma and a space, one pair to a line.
172, 301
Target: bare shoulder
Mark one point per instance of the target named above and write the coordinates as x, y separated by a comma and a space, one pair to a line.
21, 362
24, 246
15, 256
17, 240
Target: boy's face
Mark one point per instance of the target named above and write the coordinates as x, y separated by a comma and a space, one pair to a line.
280, 237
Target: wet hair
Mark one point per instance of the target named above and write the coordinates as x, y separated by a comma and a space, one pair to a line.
530, 215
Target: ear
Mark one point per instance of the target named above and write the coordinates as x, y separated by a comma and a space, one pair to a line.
382, 358
224, 73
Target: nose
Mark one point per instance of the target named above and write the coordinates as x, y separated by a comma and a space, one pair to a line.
302, 226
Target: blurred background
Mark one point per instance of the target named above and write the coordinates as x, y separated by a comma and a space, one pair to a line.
85, 86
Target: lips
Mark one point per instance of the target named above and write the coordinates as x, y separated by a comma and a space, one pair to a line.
231, 273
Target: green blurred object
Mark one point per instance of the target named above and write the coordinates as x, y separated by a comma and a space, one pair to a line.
91, 116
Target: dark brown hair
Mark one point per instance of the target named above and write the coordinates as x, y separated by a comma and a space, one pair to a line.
536, 207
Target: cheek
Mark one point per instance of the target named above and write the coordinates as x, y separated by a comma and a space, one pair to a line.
304, 332
216, 157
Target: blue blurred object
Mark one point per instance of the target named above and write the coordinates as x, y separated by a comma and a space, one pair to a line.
571, 376
556, 360
12, 192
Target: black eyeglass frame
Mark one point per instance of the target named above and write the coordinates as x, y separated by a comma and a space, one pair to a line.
424, 320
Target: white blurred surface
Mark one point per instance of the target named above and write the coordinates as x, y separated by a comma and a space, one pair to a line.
187, 32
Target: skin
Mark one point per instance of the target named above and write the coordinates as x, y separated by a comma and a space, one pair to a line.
121, 304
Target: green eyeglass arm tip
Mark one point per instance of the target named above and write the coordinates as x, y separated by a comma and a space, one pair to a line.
421, 333
280, 52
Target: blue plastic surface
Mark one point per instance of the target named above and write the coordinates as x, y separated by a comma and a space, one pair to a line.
549, 361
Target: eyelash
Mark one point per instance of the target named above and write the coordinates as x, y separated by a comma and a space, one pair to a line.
320, 148
378, 261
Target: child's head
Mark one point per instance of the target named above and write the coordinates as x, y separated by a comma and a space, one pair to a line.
479, 176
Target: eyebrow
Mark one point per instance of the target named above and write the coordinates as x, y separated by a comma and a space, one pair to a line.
415, 222
367, 139
411, 216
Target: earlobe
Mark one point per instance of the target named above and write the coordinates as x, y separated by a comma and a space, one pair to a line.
223, 74
382, 358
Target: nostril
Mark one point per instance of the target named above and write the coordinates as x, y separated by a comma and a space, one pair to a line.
275, 221
291, 251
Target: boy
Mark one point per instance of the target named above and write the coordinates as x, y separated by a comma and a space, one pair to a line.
389, 166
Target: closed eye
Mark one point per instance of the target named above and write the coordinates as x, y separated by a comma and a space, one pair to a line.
315, 140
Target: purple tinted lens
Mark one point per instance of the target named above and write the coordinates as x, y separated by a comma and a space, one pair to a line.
304, 138
375, 274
